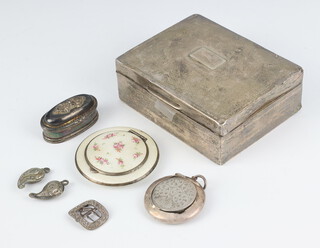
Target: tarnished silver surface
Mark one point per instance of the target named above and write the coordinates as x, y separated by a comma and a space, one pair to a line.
174, 194
66, 106
32, 175
90, 214
50, 190
69, 118
175, 199
214, 89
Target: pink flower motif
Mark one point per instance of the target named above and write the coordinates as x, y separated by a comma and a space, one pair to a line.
102, 160
120, 162
118, 146
110, 135
96, 147
137, 154
135, 140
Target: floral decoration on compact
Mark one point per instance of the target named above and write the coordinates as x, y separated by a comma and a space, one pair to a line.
118, 146
102, 160
117, 156
120, 161
96, 147
137, 154
110, 135
116, 152
136, 140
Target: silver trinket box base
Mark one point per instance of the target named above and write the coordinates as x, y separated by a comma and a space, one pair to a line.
210, 87
175, 199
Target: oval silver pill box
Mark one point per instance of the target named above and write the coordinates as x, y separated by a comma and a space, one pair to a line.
69, 118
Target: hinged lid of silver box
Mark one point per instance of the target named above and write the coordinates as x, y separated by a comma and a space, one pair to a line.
209, 73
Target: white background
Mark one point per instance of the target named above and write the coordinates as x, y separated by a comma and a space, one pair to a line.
267, 196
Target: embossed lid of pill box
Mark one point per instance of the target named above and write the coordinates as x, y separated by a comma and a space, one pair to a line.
69, 118
209, 73
67, 110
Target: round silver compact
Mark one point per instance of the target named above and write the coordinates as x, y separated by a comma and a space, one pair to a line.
117, 156
175, 199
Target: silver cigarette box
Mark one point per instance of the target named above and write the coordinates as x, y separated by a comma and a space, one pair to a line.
212, 88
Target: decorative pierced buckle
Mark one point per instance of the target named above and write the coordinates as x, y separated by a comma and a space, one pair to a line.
90, 214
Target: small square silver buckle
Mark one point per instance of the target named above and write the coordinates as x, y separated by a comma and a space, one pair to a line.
90, 214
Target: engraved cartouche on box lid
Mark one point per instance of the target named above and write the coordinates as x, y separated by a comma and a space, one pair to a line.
69, 118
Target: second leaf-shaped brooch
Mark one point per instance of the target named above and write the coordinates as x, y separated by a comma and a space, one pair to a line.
50, 190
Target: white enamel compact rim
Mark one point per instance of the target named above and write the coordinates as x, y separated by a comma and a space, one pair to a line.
117, 156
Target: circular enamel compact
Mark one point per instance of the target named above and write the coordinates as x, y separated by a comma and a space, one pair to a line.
117, 156
175, 199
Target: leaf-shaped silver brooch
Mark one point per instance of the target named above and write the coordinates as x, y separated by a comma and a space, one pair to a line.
50, 190
32, 175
